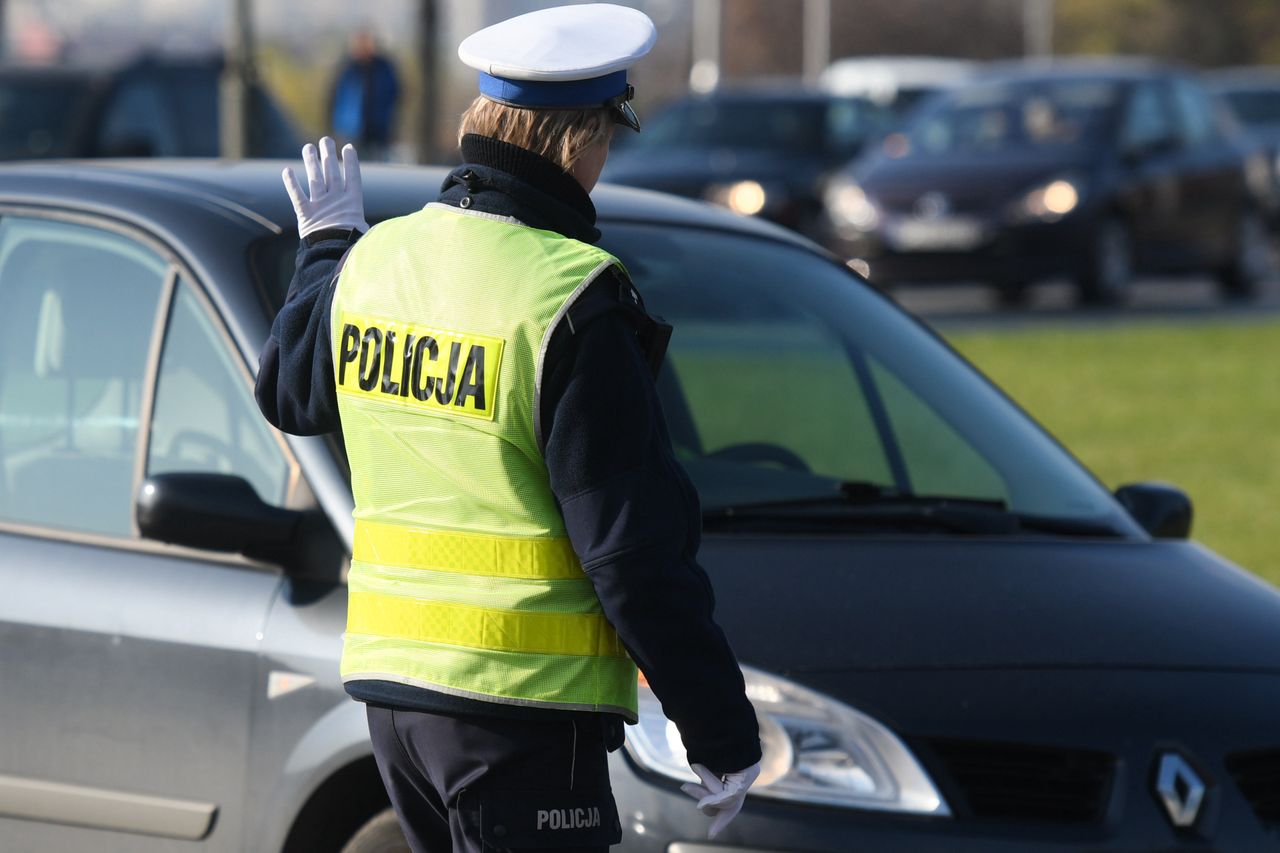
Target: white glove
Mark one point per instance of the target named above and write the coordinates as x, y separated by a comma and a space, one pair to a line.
720, 799
337, 199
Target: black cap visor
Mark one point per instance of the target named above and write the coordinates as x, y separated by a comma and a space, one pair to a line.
622, 110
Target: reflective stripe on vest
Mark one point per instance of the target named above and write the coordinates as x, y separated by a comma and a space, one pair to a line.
462, 577
466, 553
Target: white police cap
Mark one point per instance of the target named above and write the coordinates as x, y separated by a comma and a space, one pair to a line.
567, 57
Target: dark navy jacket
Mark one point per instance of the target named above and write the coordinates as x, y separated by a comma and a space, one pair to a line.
630, 510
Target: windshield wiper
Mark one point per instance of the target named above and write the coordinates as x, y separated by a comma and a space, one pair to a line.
870, 505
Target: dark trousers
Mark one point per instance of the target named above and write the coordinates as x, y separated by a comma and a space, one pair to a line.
471, 783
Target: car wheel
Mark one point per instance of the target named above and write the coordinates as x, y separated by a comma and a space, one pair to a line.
380, 835
1109, 265
1251, 263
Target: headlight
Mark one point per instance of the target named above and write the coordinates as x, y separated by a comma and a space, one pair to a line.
816, 750
1049, 202
849, 208
746, 198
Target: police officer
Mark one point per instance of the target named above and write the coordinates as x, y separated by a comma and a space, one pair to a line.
524, 536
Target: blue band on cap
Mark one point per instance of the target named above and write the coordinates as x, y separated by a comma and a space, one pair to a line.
558, 93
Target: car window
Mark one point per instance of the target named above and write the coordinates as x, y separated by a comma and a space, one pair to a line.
193, 91
1197, 121
852, 122
786, 377
725, 386
205, 419
816, 126
139, 123
77, 309
1147, 120
1255, 107
991, 118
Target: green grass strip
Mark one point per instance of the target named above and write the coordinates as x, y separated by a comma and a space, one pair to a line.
1196, 405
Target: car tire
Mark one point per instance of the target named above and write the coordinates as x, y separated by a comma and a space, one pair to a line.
1251, 261
381, 834
1108, 268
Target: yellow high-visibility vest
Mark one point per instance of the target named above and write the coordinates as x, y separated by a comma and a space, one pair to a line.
462, 577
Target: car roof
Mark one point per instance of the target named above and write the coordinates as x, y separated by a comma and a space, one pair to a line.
1261, 77
901, 71
765, 94
157, 189
1081, 67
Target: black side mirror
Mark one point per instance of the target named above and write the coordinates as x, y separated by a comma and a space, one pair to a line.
221, 512
1163, 510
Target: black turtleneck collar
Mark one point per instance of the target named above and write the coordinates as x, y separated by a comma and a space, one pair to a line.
505, 180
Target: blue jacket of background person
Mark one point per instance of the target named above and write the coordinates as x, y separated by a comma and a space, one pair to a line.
364, 101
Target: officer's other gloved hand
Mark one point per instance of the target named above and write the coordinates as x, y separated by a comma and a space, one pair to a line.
720, 798
336, 197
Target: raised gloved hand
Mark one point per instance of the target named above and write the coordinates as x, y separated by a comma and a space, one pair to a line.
720, 798
336, 199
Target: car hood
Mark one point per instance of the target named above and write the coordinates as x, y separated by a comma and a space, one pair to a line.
794, 604
689, 170
967, 183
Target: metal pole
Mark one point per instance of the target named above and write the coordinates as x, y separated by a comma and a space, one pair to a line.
704, 74
428, 130
817, 38
235, 104
1037, 27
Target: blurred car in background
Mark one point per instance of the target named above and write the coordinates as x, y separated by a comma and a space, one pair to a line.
1253, 95
153, 107
759, 152
1097, 170
898, 82
955, 638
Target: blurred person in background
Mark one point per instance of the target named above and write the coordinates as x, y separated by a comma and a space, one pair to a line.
363, 102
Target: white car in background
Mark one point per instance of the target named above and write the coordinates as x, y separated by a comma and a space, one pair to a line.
898, 82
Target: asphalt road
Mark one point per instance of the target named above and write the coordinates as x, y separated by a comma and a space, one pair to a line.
963, 305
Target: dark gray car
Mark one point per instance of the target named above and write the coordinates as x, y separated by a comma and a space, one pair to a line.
151, 107
956, 639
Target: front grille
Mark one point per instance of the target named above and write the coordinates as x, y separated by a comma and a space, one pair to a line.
1257, 772
1004, 781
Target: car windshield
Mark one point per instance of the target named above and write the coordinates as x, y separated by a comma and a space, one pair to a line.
39, 115
789, 379
1255, 107
813, 126
1001, 117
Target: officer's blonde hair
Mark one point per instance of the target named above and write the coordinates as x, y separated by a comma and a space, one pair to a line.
562, 136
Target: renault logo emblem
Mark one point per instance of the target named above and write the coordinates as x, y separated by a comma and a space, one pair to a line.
1179, 788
